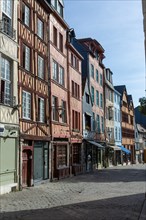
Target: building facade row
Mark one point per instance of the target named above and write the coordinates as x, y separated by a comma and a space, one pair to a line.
60, 113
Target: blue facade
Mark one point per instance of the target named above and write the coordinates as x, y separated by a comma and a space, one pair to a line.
117, 118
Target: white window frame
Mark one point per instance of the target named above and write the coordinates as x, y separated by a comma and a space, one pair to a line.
26, 105
55, 70
61, 75
41, 67
27, 58
6, 77
40, 28
26, 15
42, 110
7, 7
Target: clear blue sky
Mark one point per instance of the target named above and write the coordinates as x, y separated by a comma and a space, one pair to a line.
118, 26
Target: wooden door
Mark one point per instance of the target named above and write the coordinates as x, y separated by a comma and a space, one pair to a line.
26, 168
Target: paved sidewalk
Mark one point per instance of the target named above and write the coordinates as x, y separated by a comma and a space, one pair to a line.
115, 193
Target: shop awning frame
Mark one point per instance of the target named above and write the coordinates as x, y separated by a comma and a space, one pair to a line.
125, 149
96, 144
115, 147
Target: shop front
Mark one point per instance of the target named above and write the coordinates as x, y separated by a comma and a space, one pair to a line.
60, 162
94, 155
126, 158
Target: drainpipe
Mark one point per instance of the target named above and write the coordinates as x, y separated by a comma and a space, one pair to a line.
68, 98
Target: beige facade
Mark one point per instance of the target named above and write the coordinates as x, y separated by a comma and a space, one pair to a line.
9, 121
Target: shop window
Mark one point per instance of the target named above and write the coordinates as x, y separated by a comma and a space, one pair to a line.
62, 156
76, 154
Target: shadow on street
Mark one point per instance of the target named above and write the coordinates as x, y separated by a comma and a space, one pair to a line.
118, 208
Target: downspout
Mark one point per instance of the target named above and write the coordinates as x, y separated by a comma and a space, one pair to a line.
68, 98
49, 99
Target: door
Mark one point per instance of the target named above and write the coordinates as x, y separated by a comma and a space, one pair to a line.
26, 168
38, 161
46, 164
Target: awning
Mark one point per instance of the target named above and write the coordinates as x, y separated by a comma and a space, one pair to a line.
115, 147
125, 150
96, 144
87, 113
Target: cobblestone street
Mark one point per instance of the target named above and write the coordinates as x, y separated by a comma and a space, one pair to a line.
114, 193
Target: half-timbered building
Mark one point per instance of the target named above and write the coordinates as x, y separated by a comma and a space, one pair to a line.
33, 77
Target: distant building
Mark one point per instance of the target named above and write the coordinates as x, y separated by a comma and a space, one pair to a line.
117, 126
127, 118
140, 142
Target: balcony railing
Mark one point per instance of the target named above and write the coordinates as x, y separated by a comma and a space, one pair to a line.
6, 28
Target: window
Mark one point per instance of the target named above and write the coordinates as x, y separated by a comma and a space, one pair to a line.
63, 114
26, 15
55, 36
119, 133
93, 120
116, 133
7, 7
41, 110
98, 123
101, 81
102, 124
40, 67
26, 105
26, 57
92, 71
6, 23
97, 77
76, 154
61, 75
74, 61
55, 108
5, 92
115, 114
58, 73
92, 94
61, 156
101, 100
75, 120
97, 98
55, 66
40, 29
61, 42
75, 90
87, 98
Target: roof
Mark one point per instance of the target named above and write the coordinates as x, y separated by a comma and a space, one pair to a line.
129, 99
120, 89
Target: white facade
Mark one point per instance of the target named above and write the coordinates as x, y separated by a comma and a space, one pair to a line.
9, 121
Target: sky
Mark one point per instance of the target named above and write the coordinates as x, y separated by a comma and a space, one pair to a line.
118, 26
